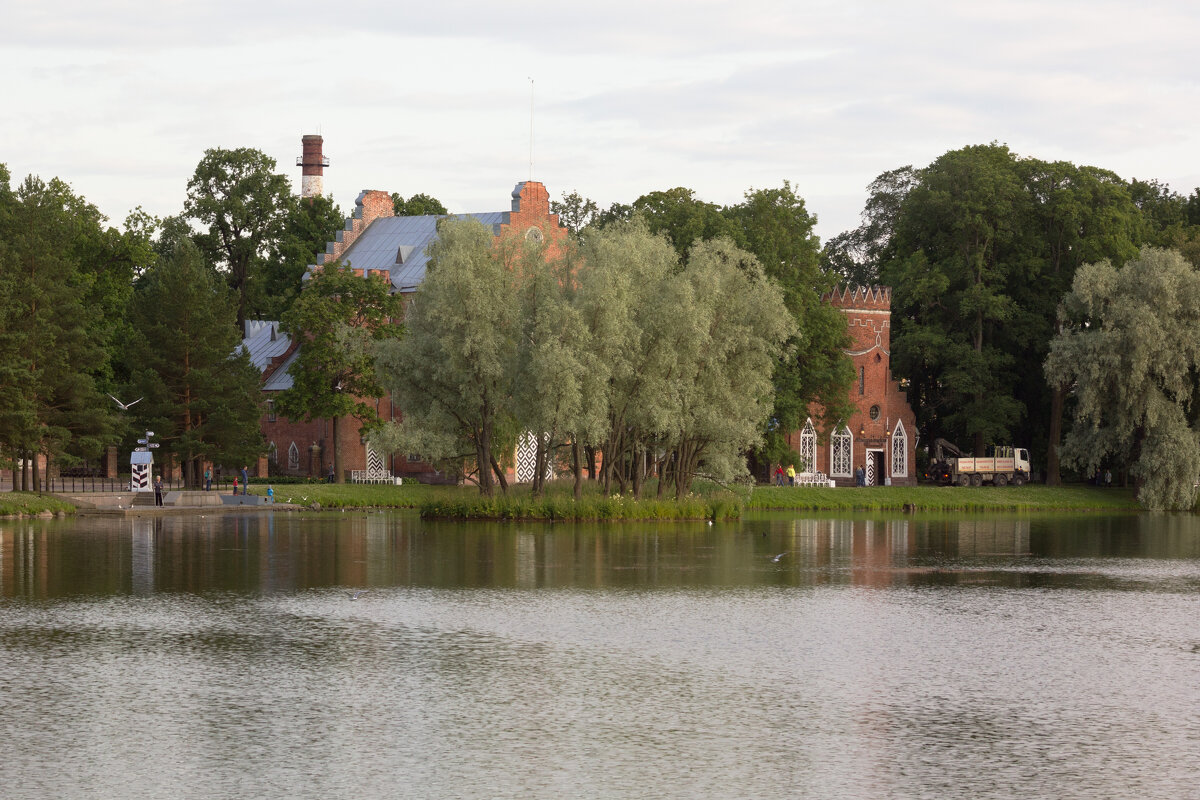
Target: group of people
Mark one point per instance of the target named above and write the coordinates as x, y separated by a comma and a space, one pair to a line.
244, 485
780, 475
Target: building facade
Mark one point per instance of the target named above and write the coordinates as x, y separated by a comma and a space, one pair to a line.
877, 444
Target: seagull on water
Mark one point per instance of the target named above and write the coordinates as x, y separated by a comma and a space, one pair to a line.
781, 555
125, 406
356, 594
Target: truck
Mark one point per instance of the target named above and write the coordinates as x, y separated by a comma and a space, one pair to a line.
1006, 465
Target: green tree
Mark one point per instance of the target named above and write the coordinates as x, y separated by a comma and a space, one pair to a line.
575, 212
337, 318
775, 226
311, 223
49, 330
1129, 351
453, 371
201, 394
683, 218
243, 203
960, 237
419, 205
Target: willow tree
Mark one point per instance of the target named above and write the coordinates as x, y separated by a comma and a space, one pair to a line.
1129, 352
453, 371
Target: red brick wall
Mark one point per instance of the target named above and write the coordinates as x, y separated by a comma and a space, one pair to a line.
868, 319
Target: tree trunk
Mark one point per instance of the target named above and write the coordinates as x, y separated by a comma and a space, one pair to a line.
1053, 478
338, 477
499, 475
577, 467
635, 462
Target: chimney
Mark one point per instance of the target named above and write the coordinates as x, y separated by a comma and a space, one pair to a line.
314, 165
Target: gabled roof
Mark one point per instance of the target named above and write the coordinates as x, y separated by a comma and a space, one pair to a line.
398, 245
264, 341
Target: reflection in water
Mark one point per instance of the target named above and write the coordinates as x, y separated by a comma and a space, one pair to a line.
877, 658
267, 554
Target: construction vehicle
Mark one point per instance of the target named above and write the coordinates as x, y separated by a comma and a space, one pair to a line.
1006, 465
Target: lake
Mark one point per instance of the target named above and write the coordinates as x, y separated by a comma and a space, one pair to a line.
783, 656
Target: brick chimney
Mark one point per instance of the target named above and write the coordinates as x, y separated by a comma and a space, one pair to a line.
314, 164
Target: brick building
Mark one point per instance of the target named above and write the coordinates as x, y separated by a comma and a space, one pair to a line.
880, 437
374, 242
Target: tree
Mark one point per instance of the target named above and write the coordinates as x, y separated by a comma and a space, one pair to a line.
419, 205
49, 330
201, 393
682, 218
336, 320
1129, 352
311, 223
776, 227
958, 241
453, 371
243, 203
575, 212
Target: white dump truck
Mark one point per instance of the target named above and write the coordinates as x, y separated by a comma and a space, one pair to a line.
1006, 465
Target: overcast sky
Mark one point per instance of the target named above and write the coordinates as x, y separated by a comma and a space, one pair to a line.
121, 99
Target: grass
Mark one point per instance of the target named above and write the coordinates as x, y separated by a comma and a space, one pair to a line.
30, 504
944, 498
707, 501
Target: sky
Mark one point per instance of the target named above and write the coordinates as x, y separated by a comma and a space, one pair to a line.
462, 100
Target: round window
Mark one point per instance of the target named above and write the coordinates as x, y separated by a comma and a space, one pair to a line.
874, 412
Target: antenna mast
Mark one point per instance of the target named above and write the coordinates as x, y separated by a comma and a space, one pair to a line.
531, 129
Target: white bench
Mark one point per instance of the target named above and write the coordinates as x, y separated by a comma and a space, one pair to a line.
814, 479
371, 476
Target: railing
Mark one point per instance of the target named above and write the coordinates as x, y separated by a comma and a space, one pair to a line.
79, 485
813, 479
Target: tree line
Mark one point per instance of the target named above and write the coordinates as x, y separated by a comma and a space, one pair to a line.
980, 248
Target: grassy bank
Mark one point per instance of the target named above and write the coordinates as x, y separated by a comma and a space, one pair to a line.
29, 504
706, 502
944, 498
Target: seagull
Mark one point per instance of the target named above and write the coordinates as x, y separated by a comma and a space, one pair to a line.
781, 555
125, 406
356, 594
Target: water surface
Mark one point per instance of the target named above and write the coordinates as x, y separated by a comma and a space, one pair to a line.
857, 657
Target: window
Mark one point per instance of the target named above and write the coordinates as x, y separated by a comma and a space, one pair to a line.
862, 380
270, 411
272, 453
808, 448
293, 457
841, 449
899, 452
414, 458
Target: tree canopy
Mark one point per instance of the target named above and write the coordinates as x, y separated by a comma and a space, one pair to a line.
243, 203
335, 319
1129, 353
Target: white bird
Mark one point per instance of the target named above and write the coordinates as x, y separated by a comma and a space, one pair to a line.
125, 406
356, 594
781, 555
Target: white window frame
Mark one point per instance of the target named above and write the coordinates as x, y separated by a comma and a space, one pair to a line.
899, 451
808, 447
293, 457
841, 465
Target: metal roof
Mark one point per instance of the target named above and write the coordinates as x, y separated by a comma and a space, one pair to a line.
399, 245
282, 378
264, 341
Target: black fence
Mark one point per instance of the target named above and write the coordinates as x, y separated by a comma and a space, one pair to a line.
66, 484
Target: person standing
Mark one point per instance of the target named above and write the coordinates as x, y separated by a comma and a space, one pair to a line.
245, 479
779, 474
207, 478
791, 473
158, 499
235, 484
